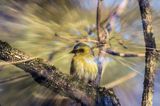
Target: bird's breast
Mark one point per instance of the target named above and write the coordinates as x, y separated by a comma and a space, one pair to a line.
86, 67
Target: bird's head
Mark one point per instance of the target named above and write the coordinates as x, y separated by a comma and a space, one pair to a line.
82, 48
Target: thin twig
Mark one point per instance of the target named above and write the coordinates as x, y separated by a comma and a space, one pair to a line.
115, 53
101, 40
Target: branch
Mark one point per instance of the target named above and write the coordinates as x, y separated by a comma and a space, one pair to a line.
100, 32
106, 23
115, 53
151, 57
48, 76
101, 36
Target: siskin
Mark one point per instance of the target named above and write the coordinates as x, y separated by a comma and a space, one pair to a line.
83, 63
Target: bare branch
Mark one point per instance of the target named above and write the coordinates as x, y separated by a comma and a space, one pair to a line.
100, 31
101, 36
115, 12
151, 57
115, 53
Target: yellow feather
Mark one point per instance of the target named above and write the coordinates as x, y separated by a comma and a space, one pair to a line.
85, 67
83, 63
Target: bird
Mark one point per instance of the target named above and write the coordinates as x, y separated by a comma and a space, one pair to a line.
83, 64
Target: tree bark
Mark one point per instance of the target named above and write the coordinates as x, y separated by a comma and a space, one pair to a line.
150, 55
48, 76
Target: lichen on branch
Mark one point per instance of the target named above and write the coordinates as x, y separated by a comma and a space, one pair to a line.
47, 75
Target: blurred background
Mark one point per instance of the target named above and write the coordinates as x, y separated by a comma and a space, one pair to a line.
30, 26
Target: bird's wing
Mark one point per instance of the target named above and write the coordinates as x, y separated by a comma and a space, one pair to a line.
72, 68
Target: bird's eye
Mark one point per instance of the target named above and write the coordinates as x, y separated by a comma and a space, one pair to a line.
81, 50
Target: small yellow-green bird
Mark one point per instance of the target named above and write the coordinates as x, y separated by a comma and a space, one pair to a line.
83, 63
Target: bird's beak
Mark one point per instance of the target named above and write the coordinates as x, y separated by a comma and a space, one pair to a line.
73, 51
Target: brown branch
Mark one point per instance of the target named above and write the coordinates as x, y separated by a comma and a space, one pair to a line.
106, 22
150, 58
48, 76
121, 42
115, 53
101, 33
98, 19
101, 36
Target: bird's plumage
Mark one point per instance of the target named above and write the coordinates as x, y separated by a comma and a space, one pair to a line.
83, 63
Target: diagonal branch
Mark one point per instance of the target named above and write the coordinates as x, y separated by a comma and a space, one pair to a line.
48, 76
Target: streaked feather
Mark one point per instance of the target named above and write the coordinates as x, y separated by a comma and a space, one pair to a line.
84, 66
